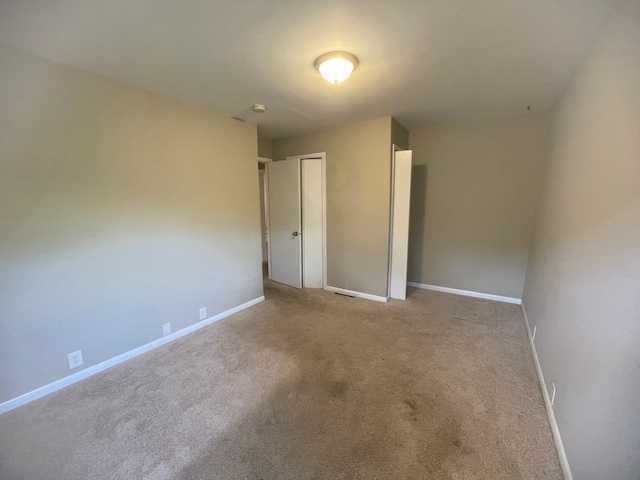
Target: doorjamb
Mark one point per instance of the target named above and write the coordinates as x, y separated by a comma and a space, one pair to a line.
323, 167
265, 181
267, 219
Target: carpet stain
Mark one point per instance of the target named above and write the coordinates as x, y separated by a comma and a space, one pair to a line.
411, 405
339, 389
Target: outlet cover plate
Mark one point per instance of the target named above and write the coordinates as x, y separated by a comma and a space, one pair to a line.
203, 313
75, 359
166, 329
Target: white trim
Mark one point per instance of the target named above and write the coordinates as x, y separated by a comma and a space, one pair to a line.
367, 296
308, 155
466, 293
88, 372
562, 454
264, 160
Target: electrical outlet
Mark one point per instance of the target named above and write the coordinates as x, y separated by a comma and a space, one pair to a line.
553, 393
166, 329
535, 329
75, 359
203, 313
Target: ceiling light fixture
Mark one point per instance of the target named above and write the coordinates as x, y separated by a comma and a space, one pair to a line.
336, 67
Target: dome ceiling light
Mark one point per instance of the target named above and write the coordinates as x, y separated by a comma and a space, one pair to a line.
336, 67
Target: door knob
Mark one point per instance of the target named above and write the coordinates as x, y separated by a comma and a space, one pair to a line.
295, 234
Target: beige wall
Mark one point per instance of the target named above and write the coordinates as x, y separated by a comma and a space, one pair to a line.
399, 134
358, 186
473, 197
264, 147
120, 211
583, 280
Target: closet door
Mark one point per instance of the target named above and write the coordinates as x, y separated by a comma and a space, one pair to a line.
312, 223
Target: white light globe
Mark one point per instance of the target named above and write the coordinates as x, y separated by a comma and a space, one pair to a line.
336, 70
335, 67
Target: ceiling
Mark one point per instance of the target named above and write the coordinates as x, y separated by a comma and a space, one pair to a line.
420, 60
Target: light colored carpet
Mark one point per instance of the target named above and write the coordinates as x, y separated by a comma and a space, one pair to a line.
307, 385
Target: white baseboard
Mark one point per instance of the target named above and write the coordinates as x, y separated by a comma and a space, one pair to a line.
466, 293
92, 370
562, 454
368, 296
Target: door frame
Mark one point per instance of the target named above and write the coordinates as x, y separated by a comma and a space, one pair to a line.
323, 167
265, 180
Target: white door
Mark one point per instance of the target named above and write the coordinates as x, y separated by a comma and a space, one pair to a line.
401, 194
311, 222
284, 222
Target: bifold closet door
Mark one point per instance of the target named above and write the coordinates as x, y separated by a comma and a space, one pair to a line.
311, 181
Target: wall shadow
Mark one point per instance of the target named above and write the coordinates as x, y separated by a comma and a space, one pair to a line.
417, 221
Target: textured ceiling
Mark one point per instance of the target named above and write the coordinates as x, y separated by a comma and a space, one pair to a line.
420, 60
